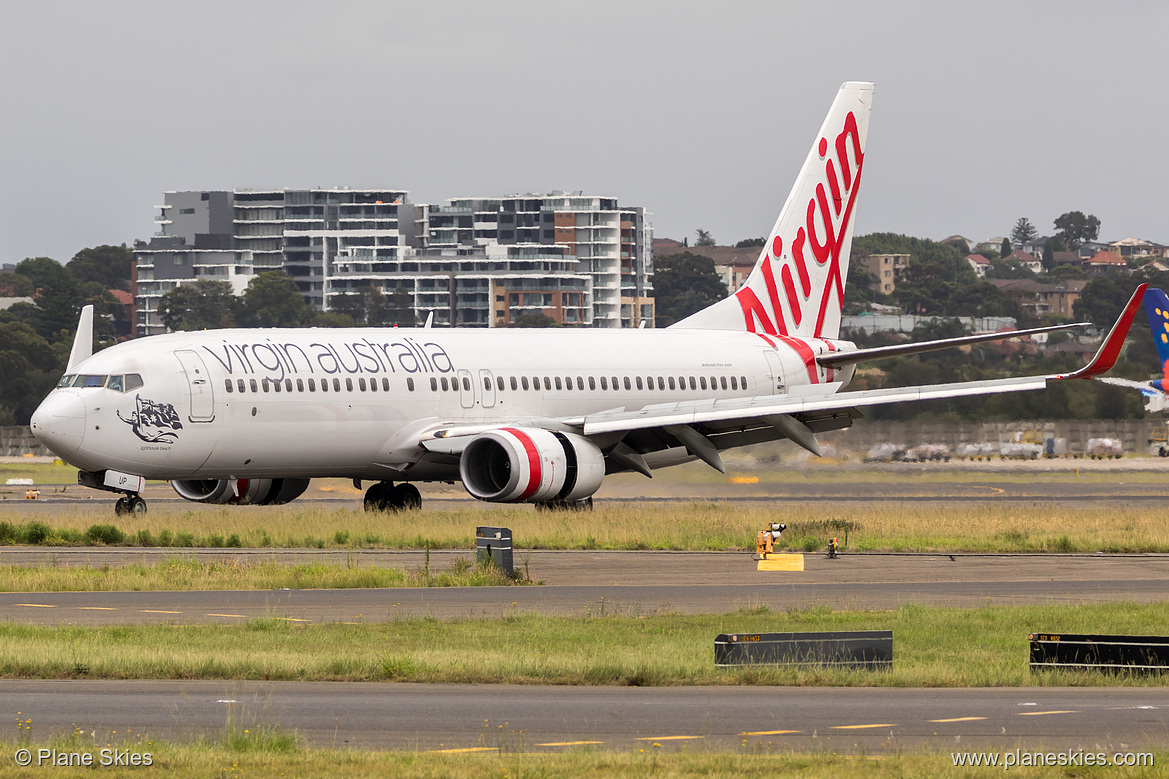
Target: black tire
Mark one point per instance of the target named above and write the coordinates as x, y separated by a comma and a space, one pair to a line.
377, 497
135, 505
405, 497
122, 507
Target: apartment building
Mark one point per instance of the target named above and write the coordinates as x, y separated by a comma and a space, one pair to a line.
582, 260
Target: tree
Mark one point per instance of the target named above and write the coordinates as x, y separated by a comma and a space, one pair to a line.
1023, 232
1005, 249
107, 265
202, 305
272, 299
1075, 228
1102, 299
401, 308
683, 284
30, 366
533, 319
57, 295
704, 238
750, 243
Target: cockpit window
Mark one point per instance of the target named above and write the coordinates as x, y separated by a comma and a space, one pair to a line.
95, 381
66, 380
130, 381
115, 383
133, 382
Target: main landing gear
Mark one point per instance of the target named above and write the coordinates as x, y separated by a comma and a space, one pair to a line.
130, 504
387, 496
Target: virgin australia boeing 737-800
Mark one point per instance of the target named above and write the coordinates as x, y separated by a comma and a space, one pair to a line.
538, 416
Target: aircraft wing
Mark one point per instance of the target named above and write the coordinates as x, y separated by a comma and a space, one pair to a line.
704, 427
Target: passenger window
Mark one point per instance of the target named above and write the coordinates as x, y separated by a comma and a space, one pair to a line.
361, 384
671, 382
410, 384
433, 384
557, 382
288, 385
743, 382
547, 383
693, 383
592, 383
264, 384
115, 383
604, 383
579, 383
524, 382
627, 385
276, 384
499, 383
299, 385
324, 385
241, 386
713, 383
312, 385
385, 384
722, 380
466, 384
486, 383
227, 384
639, 382
373, 385
661, 383
514, 384
336, 385
254, 388
349, 384
702, 381
734, 382
445, 386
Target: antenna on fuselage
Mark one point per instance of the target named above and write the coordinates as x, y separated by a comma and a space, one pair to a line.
83, 340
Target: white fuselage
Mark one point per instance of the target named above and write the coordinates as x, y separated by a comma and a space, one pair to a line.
250, 403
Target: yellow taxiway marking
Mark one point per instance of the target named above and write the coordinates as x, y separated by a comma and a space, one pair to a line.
293, 619
1041, 713
862, 727
667, 738
768, 732
958, 719
241, 616
39, 605
97, 608
782, 562
157, 611
458, 751
569, 743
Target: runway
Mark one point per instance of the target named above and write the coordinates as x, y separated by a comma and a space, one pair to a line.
514, 718
579, 583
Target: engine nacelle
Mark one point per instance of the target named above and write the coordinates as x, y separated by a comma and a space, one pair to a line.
512, 465
264, 492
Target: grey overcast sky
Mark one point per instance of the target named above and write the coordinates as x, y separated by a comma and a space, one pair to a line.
700, 111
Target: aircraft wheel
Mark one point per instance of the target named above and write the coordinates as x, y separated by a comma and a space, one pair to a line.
135, 505
122, 507
405, 497
377, 497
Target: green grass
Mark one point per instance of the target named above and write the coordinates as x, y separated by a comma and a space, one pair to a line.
695, 525
186, 574
756, 758
933, 647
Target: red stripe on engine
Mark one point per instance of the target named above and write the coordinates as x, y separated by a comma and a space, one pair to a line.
533, 462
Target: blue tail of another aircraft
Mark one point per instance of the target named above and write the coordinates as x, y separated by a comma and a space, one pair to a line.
1157, 309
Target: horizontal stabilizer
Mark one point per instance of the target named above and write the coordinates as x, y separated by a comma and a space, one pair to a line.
836, 359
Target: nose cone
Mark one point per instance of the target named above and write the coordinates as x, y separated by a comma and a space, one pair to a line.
59, 422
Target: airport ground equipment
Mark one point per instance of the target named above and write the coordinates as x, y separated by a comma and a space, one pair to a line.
765, 539
493, 546
869, 649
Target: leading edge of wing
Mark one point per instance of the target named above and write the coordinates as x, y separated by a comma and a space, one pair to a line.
749, 409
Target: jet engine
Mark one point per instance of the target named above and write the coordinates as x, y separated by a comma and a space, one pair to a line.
512, 465
256, 491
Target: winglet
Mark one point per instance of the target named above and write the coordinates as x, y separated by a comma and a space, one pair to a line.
83, 341
1109, 350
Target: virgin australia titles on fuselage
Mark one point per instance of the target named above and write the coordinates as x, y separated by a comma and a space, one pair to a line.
515, 414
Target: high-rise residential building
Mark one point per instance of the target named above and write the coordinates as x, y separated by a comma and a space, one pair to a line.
582, 260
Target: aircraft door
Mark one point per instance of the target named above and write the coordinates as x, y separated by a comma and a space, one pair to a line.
778, 385
199, 383
488, 382
466, 389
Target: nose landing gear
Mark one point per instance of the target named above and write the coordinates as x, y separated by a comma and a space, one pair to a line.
130, 504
